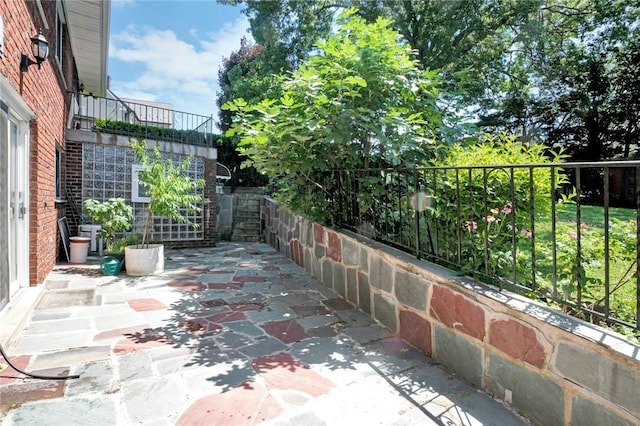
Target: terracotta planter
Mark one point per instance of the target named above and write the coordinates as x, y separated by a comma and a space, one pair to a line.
144, 260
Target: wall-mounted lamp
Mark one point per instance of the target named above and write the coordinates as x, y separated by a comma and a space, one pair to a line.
40, 50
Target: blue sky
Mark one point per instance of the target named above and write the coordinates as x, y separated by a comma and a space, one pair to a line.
170, 50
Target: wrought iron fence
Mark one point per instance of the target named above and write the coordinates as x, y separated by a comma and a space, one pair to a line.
526, 227
144, 121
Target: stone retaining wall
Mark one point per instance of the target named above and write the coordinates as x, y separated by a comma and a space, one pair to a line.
552, 368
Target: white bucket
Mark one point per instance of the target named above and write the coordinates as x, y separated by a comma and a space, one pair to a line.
79, 249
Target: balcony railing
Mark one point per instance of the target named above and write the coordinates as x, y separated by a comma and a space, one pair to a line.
547, 231
144, 121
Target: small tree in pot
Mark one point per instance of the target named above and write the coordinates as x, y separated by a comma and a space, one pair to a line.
171, 192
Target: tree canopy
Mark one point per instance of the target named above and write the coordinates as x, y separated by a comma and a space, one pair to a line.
361, 101
552, 71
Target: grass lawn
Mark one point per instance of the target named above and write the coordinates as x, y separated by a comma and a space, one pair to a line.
593, 215
622, 255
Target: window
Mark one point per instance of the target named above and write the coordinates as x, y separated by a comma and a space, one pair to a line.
59, 171
59, 33
138, 191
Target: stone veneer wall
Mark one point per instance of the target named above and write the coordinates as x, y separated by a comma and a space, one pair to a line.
551, 368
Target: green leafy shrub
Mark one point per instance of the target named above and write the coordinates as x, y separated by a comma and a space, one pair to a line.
118, 244
361, 102
114, 215
193, 137
583, 281
491, 209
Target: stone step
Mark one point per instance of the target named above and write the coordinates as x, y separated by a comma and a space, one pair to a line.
247, 218
248, 228
248, 215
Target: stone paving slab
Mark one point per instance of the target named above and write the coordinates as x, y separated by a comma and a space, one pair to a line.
235, 334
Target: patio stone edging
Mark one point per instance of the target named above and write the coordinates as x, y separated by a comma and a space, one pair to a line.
567, 363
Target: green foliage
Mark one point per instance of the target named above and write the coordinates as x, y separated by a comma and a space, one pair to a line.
230, 157
118, 244
287, 29
491, 208
360, 102
172, 193
113, 215
557, 72
582, 279
244, 74
193, 137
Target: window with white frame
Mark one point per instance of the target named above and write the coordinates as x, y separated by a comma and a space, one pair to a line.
138, 191
59, 33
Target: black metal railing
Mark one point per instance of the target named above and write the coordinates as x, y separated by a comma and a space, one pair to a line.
525, 227
144, 121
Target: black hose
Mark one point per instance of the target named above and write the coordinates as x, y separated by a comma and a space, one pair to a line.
35, 376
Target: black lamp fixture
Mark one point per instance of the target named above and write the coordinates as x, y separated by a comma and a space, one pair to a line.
40, 50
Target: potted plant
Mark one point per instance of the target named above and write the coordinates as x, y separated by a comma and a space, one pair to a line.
172, 193
114, 216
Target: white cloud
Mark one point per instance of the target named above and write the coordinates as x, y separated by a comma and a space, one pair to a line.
173, 70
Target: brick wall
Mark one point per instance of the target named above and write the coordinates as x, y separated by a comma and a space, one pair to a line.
551, 368
44, 90
73, 181
74, 177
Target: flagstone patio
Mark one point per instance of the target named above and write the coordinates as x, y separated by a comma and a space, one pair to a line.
231, 335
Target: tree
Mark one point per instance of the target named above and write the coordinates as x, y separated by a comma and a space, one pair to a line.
551, 71
171, 191
287, 29
361, 101
241, 75
240, 66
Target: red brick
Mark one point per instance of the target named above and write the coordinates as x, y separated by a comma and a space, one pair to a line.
8, 374
18, 393
416, 330
518, 340
334, 247
45, 91
318, 233
297, 254
456, 311
248, 404
227, 317
140, 305
282, 371
288, 331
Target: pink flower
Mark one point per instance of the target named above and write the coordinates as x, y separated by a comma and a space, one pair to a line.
490, 219
573, 234
527, 233
507, 209
470, 225
510, 227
